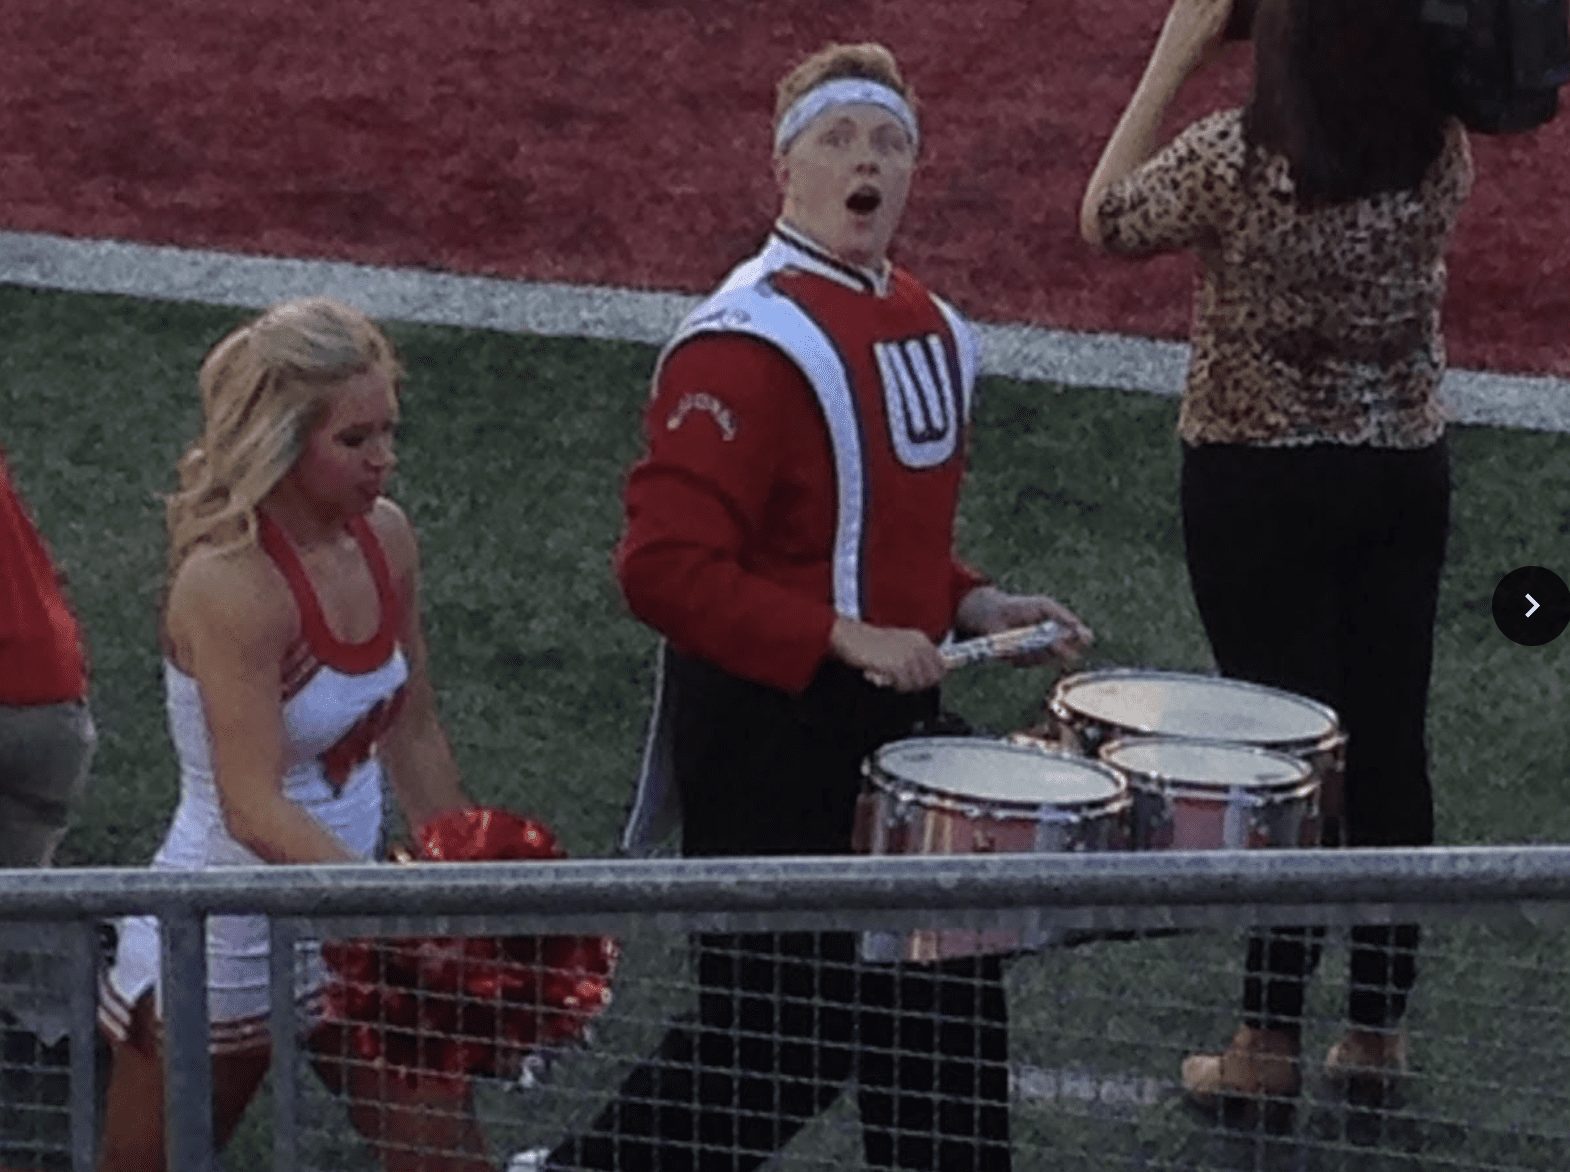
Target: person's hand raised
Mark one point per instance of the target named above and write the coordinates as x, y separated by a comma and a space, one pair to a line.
1192, 34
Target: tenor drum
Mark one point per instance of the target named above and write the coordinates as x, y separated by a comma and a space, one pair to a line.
970, 795
1213, 795
1090, 709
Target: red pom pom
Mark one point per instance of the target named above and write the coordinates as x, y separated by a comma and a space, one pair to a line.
481, 834
455, 1007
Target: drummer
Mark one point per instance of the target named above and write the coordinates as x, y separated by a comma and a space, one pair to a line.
789, 533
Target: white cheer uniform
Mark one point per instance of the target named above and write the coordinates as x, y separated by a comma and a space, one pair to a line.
338, 699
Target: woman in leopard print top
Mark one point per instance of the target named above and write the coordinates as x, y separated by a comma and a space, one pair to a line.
1315, 484
1310, 326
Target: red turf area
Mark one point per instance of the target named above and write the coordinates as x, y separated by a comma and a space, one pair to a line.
626, 142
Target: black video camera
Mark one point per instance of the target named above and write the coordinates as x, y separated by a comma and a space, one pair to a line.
1500, 63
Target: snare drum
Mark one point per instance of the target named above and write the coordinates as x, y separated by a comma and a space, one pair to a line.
970, 795
1215, 795
1087, 710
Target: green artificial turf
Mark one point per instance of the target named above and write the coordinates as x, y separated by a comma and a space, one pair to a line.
511, 458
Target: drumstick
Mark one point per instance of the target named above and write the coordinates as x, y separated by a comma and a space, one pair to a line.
983, 648
1018, 641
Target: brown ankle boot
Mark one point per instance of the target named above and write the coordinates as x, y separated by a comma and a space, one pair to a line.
1258, 1064
1367, 1065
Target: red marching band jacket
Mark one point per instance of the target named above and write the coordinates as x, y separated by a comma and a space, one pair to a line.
806, 440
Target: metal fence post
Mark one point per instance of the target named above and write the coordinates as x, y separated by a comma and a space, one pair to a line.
282, 934
84, 1040
188, 1070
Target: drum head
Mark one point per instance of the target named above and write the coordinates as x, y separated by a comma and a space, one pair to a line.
980, 770
1206, 763
1175, 704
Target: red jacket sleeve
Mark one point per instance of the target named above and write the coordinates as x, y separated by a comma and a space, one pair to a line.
42, 659
696, 503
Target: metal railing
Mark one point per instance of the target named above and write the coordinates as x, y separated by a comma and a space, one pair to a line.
1093, 898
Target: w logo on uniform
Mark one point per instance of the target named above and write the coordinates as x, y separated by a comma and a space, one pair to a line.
922, 394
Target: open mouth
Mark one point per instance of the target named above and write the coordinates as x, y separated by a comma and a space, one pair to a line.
864, 200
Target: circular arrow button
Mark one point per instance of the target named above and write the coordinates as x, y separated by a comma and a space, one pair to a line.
1532, 606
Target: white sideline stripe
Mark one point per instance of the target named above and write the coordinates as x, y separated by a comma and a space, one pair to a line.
1116, 361
1114, 1093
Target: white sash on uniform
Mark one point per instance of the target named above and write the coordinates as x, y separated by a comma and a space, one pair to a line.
746, 303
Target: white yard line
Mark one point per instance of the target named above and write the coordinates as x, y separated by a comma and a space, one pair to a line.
36, 260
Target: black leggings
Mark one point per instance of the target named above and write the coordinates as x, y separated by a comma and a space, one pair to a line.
1316, 569
785, 1019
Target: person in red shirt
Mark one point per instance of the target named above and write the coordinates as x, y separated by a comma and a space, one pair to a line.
46, 749
790, 533
46, 730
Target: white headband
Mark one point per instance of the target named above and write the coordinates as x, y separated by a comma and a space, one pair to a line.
842, 91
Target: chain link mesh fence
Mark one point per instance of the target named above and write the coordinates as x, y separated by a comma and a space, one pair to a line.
827, 1056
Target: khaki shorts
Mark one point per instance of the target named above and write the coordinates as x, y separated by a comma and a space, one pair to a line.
45, 752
